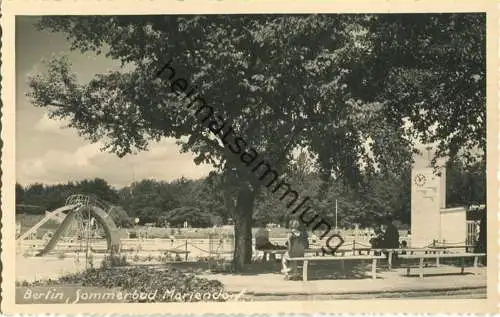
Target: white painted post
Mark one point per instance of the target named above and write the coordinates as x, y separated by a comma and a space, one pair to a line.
421, 268
304, 270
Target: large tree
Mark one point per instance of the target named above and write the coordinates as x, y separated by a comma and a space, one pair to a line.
431, 70
281, 82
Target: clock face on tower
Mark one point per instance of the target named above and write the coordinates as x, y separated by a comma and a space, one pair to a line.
420, 180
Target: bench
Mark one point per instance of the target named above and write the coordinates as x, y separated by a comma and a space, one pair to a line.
317, 251
400, 251
422, 257
273, 252
449, 247
306, 261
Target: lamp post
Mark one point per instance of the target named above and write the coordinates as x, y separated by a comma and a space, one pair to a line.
336, 215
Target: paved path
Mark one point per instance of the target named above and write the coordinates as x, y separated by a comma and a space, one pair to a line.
443, 280
387, 281
38, 268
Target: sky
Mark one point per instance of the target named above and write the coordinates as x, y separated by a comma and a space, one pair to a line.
48, 153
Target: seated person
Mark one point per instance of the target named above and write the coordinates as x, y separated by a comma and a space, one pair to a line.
404, 245
391, 235
296, 248
262, 241
377, 241
391, 238
305, 238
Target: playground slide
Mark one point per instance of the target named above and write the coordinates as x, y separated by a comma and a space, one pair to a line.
110, 230
53, 214
59, 233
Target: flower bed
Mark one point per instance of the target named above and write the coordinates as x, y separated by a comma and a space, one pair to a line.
141, 279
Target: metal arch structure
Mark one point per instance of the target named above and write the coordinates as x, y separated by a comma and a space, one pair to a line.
84, 204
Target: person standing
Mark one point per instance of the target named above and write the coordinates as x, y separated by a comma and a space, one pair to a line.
296, 248
391, 238
391, 235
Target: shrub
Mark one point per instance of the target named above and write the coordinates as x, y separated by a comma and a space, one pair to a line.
105, 263
123, 260
120, 217
132, 235
114, 260
221, 266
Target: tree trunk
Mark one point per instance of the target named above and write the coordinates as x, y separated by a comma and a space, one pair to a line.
243, 227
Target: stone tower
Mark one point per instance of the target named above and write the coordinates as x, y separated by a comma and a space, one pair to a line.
428, 197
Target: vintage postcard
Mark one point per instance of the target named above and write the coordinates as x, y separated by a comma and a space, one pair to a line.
192, 157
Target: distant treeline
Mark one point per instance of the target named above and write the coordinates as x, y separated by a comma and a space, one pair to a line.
202, 202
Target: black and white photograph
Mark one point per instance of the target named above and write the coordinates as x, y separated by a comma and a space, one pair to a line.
235, 158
